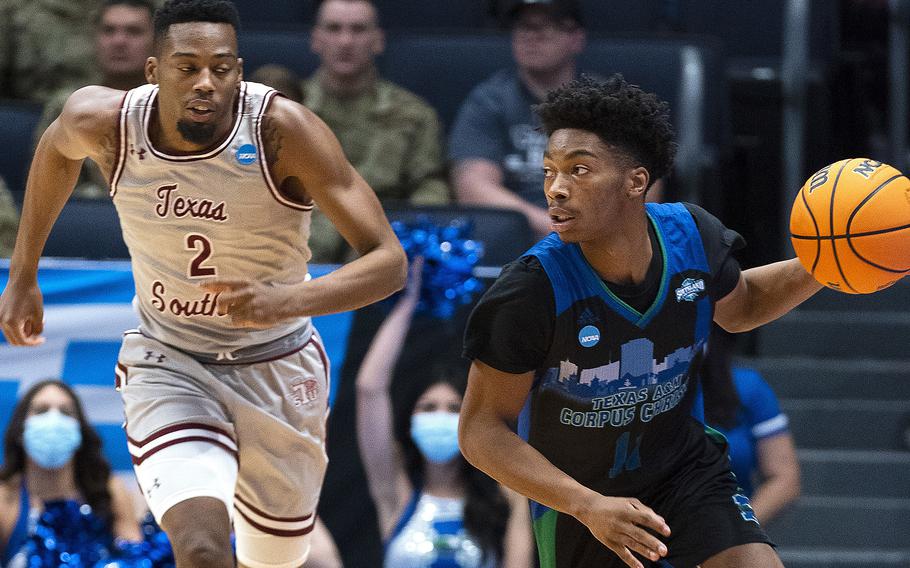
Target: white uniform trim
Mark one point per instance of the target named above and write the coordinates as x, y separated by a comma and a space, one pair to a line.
771, 426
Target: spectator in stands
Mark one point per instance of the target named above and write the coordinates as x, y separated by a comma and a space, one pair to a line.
431, 504
281, 78
123, 43
9, 220
391, 136
495, 147
45, 45
51, 452
741, 405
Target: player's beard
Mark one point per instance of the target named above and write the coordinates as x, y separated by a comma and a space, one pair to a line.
195, 132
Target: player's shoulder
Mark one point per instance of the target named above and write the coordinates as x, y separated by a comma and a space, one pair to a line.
521, 274
93, 99
92, 107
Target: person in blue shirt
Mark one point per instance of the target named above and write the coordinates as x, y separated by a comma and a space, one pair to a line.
741, 406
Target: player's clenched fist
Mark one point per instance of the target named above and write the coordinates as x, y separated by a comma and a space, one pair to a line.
22, 314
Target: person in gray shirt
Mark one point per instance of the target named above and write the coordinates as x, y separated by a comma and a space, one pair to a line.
495, 147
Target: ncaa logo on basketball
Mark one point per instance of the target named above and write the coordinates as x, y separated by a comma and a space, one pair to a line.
690, 289
245, 154
589, 336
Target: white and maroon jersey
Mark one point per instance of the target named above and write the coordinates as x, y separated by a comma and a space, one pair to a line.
190, 219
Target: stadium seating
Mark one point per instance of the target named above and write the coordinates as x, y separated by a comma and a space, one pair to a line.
839, 366
444, 68
259, 15
290, 48
19, 121
87, 228
434, 14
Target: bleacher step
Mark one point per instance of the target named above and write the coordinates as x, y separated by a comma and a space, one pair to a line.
843, 523
855, 473
825, 334
848, 423
844, 558
834, 378
895, 298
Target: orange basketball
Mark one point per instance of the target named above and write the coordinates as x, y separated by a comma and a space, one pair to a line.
850, 225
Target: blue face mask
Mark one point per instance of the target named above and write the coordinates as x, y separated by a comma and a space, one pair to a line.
436, 435
51, 438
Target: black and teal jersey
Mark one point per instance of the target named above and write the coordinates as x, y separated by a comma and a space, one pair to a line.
615, 386
613, 389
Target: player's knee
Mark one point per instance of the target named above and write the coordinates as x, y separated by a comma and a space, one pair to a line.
201, 550
199, 530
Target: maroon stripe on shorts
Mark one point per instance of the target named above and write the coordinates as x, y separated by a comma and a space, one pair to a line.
153, 451
177, 428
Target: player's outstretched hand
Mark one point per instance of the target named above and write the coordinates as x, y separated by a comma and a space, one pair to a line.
22, 315
620, 523
250, 304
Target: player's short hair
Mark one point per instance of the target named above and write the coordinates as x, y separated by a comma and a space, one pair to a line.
147, 5
182, 11
625, 117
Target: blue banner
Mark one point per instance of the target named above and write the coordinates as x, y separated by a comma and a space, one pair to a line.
87, 307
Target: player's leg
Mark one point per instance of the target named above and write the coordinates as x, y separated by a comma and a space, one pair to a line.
280, 414
752, 555
199, 531
189, 488
709, 515
183, 448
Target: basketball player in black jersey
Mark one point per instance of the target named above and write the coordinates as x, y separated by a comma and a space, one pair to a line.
582, 381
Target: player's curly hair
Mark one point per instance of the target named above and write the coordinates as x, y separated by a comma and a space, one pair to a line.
635, 122
181, 11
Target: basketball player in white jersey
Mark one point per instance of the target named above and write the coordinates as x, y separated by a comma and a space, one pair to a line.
225, 383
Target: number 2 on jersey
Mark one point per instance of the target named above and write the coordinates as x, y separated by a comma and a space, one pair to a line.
203, 247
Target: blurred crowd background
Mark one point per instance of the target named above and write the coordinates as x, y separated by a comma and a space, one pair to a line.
430, 100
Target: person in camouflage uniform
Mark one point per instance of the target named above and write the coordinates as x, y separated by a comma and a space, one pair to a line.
45, 45
9, 221
123, 42
390, 134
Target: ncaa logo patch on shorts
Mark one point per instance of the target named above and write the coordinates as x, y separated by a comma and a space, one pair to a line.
245, 154
589, 336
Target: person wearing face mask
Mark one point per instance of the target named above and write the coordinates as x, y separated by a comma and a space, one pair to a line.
51, 452
433, 508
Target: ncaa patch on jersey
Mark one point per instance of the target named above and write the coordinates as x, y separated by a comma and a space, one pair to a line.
245, 154
589, 336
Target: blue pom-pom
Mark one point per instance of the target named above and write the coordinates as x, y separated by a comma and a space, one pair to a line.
68, 534
450, 256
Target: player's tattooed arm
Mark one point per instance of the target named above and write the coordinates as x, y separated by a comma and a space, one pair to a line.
272, 141
107, 150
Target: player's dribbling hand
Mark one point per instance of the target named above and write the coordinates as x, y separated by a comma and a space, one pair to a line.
620, 523
22, 315
249, 304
